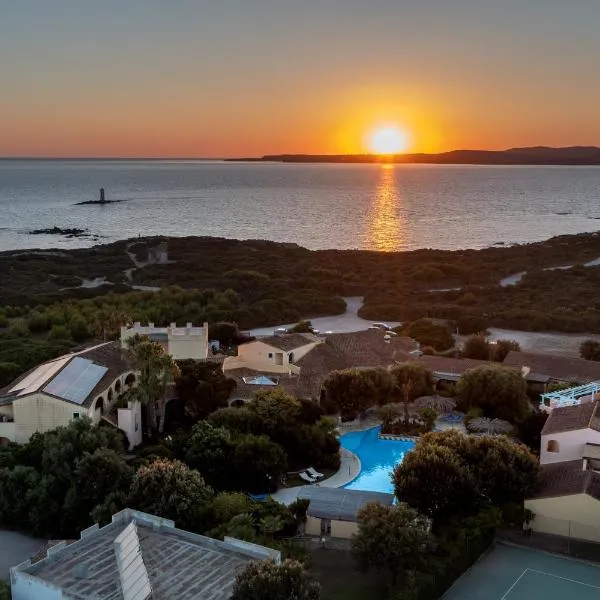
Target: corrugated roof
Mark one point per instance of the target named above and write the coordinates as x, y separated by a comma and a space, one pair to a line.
339, 504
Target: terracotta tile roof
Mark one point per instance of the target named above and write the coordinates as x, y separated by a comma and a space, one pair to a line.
567, 479
246, 391
573, 418
453, 366
338, 351
109, 355
289, 341
370, 349
576, 370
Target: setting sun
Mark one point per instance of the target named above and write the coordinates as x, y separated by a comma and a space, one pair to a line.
387, 140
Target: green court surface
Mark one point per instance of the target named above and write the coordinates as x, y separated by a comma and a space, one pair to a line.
513, 573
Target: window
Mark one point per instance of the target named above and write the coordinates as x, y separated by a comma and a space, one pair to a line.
76, 415
270, 355
553, 446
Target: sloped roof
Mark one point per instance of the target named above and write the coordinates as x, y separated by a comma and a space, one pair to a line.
576, 370
339, 504
108, 355
573, 418
567, 479
452, 366
289, 341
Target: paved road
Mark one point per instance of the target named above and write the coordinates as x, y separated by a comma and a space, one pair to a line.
344, 323
14, 549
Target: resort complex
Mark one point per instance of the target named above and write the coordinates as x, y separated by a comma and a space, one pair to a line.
292, 443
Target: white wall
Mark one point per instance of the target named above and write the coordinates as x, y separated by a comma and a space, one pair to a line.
27, 587
576, 516
130, 421
571, 445
255, 355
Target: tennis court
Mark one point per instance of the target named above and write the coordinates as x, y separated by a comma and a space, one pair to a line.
513, 573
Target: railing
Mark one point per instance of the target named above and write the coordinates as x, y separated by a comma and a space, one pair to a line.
558, 535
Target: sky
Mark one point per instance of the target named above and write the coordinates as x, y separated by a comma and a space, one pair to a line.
218, 78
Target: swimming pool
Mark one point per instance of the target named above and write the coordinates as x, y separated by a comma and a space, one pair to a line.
378, 459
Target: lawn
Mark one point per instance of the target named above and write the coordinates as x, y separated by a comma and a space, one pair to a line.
339, 578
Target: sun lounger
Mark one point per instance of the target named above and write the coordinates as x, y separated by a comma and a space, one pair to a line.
306, 477
314, 473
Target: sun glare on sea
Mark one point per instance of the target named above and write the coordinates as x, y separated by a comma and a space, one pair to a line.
388, 140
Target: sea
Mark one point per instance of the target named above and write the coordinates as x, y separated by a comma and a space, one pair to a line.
373, 207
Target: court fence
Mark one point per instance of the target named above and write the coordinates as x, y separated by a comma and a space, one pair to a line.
558, 535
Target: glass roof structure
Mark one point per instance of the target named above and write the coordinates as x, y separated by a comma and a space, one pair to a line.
259, 380
75, 382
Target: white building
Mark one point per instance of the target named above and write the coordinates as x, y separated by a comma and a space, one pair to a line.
181, 343
81, 384
138, 557
567, 502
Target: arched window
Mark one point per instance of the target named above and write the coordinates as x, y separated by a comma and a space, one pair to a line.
100, 404
130, 379
118, 386
553, 446
110, 395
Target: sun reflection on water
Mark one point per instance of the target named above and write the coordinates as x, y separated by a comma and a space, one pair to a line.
387, 229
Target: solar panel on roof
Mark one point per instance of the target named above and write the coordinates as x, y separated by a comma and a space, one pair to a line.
76, 380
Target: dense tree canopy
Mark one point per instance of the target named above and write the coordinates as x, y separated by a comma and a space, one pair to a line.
265, 580
499, 392
412, 380
172, 490
392, 539
350, 391
590, 350
430, 333
202, 388
450, 474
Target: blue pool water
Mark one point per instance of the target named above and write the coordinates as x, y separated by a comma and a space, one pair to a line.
378, 459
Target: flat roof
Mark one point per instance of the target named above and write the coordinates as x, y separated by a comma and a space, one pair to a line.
179, 564
339, 504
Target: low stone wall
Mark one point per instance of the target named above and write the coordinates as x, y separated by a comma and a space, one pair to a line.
397, 438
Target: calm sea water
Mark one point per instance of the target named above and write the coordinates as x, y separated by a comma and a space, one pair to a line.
318, 206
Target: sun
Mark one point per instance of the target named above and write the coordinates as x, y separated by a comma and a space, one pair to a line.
388, 140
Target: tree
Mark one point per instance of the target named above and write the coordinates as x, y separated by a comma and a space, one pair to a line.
499, 391
388, 413
99, 475
477, 347
449, 474
170, 489
156, 371
502, 347
434, 480
5, 593
590, 350
302, 327
208, 450
266, 580
227, 334
412, 380
394, 539
202, 387
429, 416
351, 391
258, 464
383, 385
430, 333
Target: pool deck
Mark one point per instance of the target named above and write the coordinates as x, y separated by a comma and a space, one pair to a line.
349, 469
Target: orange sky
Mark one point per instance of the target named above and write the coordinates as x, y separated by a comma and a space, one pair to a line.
225, 80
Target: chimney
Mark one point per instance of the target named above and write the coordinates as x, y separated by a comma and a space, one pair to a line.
150, 325
173, 325
585, 464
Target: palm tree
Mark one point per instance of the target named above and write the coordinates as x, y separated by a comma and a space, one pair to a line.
438, 403
489, 426
157, 370
387, 414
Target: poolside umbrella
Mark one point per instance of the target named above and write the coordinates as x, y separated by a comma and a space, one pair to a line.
439, 403
490, 426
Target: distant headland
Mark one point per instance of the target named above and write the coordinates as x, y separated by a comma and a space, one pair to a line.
538, 155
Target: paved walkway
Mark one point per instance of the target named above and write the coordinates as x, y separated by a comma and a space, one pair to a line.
349, 469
